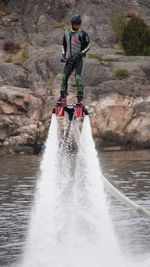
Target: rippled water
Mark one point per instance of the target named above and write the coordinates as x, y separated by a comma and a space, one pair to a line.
17, 182
128, 171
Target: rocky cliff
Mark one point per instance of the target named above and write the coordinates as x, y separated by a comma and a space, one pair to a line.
39, 22
117, 87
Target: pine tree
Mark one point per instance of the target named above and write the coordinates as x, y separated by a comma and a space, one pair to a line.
136, 37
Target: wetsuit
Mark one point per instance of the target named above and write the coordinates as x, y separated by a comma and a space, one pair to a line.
74, 48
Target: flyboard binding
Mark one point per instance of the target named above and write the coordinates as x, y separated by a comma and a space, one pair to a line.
74, 111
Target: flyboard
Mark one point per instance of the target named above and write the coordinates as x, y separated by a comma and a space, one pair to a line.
74, 111
70, 119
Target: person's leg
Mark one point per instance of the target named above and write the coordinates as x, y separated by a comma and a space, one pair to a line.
78, 76
68, 69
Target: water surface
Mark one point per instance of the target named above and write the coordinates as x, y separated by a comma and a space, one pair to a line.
128, 171
17, 183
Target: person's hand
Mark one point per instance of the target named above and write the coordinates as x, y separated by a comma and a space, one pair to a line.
63, 59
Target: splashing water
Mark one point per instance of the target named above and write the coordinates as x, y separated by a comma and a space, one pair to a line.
70, 224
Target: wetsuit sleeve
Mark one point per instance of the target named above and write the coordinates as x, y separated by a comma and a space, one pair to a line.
64, 45
85, 47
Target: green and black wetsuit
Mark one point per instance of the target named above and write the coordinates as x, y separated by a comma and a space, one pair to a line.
74, 48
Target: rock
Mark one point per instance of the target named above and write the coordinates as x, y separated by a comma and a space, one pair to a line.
41, 92
115, 106
113, 119
17, 140
139, 130
5, 150
17, 101
142, 108
123, 121
119, 108
3, 131
23, 149
40, 67
7, 109
31, 21
11, 74
21, 112
37, 115
95, 73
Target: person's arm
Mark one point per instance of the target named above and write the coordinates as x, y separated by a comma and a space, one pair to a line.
64, 49
64, 46
85, 47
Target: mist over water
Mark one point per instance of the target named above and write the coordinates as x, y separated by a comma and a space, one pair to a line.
70, 224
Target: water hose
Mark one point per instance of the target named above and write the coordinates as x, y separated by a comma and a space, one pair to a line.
117, 194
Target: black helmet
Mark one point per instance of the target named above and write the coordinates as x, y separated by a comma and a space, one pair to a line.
76, 19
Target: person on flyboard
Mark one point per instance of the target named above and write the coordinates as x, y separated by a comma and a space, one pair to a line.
75, 45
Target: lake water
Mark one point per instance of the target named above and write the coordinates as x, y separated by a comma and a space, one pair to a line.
127, 171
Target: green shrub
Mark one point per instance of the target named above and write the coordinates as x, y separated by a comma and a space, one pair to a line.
25, 53
136, 36
101, 58
59, 25
118, 23
95, 56
122, 73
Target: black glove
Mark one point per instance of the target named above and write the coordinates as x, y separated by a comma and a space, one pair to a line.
63, 59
